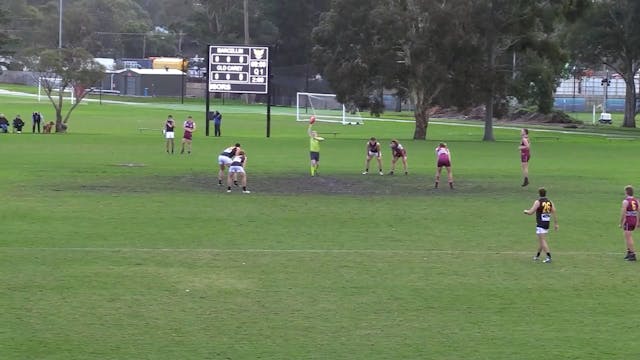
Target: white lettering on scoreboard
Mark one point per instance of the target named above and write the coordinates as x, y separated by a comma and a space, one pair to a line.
238, 69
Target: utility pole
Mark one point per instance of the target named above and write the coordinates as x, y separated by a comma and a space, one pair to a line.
246, 22
60, 26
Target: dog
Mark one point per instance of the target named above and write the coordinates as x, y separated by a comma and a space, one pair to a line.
48, 127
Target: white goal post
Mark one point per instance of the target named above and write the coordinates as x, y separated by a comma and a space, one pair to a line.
54, 84
325, 108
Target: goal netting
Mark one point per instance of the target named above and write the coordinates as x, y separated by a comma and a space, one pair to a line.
325, 108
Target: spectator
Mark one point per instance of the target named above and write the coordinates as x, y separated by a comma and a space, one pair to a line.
217, 121
4, 124
36, 118
18, 124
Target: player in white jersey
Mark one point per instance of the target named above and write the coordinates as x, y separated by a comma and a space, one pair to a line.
236, 168
224, 160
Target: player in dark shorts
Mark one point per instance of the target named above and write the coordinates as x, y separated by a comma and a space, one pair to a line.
373, 150
545, 211
169, 133
398, 152
525, 155
443, 158
629, 219
189, 128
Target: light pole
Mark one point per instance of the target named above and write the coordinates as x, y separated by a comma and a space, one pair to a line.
60, 26
605, 84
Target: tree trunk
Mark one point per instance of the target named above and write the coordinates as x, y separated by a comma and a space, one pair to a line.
421, 115
630, 103
488, 120
60, 127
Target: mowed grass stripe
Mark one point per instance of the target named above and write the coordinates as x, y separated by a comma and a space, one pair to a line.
313, 251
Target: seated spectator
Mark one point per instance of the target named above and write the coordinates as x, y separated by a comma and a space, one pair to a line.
48, 127
18, 124
4, 124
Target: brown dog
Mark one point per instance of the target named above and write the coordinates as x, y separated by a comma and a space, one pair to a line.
48, 127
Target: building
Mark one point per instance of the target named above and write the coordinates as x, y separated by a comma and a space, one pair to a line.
145, 82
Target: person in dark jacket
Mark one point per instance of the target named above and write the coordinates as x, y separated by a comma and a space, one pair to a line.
217, 122
18, 124
4, 124
36, 118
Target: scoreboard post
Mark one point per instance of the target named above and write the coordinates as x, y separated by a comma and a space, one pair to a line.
237, 69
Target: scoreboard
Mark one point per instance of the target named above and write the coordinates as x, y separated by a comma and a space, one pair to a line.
238, 69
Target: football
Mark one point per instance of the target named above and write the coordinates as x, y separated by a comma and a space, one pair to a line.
312, 119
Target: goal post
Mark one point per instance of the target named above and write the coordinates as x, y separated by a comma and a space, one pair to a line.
325, 108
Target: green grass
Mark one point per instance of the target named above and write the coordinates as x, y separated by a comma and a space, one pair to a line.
101, 261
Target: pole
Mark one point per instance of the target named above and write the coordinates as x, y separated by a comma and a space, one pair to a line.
207, 95
606, 90
246, 22
182, 83
60, 26
573, 104
269, 97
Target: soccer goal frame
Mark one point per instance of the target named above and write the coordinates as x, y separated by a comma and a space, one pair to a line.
325, 108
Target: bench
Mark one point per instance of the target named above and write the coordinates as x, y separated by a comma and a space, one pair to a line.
605, 118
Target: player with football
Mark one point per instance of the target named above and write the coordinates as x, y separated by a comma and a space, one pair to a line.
545, 210
398, 152
443, 159
225, 159
314, 147
373, 150
629, 218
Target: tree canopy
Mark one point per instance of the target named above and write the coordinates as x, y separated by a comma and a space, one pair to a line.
66, 69
433, 52
609, 34
440, 52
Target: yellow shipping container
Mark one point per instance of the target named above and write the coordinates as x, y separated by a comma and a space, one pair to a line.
170, 63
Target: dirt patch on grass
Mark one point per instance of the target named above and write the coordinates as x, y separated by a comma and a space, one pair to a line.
292, 185
344, 185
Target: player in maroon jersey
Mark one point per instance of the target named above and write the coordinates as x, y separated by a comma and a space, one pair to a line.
629, 220
525, 155
373, 151
189, 127
398, 152
443, 157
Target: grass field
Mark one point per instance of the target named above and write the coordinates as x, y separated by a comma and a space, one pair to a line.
100, 260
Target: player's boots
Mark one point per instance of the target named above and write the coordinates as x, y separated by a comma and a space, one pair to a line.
526, 181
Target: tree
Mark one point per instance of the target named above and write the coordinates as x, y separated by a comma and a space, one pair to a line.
609, 34
411, 46
5, 38
68, 68
503, 28
294, 32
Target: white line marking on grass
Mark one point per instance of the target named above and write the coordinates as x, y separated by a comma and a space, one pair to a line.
302, 251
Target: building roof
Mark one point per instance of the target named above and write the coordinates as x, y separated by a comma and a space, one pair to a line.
150, 71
